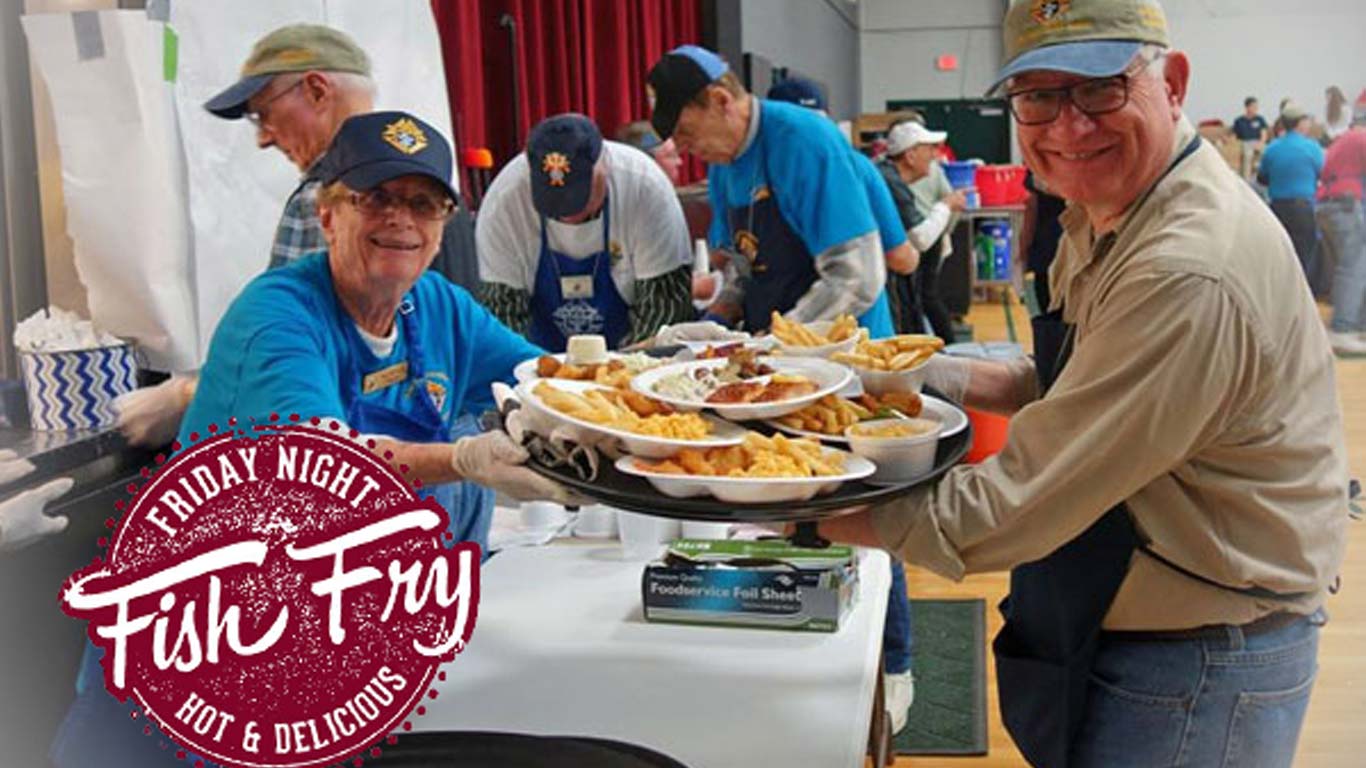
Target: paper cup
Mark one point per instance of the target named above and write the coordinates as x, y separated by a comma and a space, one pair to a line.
537, 515
694, 529
596, 521
642, 536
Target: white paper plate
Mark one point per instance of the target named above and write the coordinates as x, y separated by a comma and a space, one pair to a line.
723, 433
951, 416
751, 490
526, 370
763, 343
829, 378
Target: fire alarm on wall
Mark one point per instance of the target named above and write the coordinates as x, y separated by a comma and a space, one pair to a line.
946, 63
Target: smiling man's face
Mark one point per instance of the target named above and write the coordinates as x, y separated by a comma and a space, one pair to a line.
1103, 162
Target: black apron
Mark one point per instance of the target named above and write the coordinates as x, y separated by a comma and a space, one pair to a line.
781, 269
1054, 611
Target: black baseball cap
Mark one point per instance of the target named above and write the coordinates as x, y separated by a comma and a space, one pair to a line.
560, 154
676, 78
373, 148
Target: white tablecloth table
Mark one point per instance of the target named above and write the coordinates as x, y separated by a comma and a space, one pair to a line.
561, 648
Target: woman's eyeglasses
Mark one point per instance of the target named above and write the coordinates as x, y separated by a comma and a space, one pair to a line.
378, 201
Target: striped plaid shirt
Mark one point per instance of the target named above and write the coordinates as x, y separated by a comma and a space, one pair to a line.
299, 232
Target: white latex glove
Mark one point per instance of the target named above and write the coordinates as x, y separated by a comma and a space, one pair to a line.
949, 375
22, 519
493, 460
12, 467
702, 330
150, 417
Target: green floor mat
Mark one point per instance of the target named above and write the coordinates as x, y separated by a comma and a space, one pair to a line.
949, 714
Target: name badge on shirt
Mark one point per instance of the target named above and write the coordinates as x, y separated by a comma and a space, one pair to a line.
577, 287
385, 377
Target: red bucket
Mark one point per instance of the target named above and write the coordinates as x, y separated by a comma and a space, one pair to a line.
1001, 184
988, 434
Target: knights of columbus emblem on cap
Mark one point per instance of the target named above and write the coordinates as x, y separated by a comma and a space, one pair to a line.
404, 135
556, 166
1047, 11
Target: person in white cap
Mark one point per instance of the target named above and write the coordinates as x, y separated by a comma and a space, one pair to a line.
912, 155
1171, 499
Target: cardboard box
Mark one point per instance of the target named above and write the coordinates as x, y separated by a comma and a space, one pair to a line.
764, 584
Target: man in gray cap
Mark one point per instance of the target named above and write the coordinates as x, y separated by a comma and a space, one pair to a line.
297, 86
1172, 496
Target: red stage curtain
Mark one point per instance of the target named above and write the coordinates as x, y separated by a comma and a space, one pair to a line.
588, 56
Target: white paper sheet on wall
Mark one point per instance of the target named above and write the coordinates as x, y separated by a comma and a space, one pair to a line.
122, 175
237, 190
173, 210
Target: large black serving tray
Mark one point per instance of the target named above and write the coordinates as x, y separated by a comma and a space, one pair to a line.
632, 493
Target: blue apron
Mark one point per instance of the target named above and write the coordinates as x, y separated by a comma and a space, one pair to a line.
781, 267
577, 296
470, 505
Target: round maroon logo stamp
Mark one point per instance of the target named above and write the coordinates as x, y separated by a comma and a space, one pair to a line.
277, 596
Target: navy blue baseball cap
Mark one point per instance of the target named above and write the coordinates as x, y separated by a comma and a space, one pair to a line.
373, 148
560, 154
799, 91
676, 78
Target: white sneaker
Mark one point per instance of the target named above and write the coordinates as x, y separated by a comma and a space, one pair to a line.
898, 691
1347, 344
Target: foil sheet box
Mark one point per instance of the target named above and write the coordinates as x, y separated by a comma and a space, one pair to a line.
765, 584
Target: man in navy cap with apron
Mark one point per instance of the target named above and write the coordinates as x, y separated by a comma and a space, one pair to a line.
1172, 496
583, 236
785, 196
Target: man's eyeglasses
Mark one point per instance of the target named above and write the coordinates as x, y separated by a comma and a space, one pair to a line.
257, 116
1096, 96
378, 201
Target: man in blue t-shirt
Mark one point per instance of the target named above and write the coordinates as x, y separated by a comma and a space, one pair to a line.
1251, 130
785, 195
1290, 168
900, 256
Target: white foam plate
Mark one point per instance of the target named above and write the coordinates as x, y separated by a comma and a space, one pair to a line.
751, 490
723, 433
526, 370
951, 416
829, 378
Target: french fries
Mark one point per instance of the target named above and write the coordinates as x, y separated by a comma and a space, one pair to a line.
831, 415
758, 456
613, 373
897, 353
798, 335
828, 416
626, 411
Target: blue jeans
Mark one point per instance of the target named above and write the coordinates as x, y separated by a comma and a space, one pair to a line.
1344, 237
1236, 701
896, 633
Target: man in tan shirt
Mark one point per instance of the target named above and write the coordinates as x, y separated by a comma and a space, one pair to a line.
1173, 507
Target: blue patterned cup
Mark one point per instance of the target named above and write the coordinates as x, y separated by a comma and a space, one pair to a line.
76, 389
